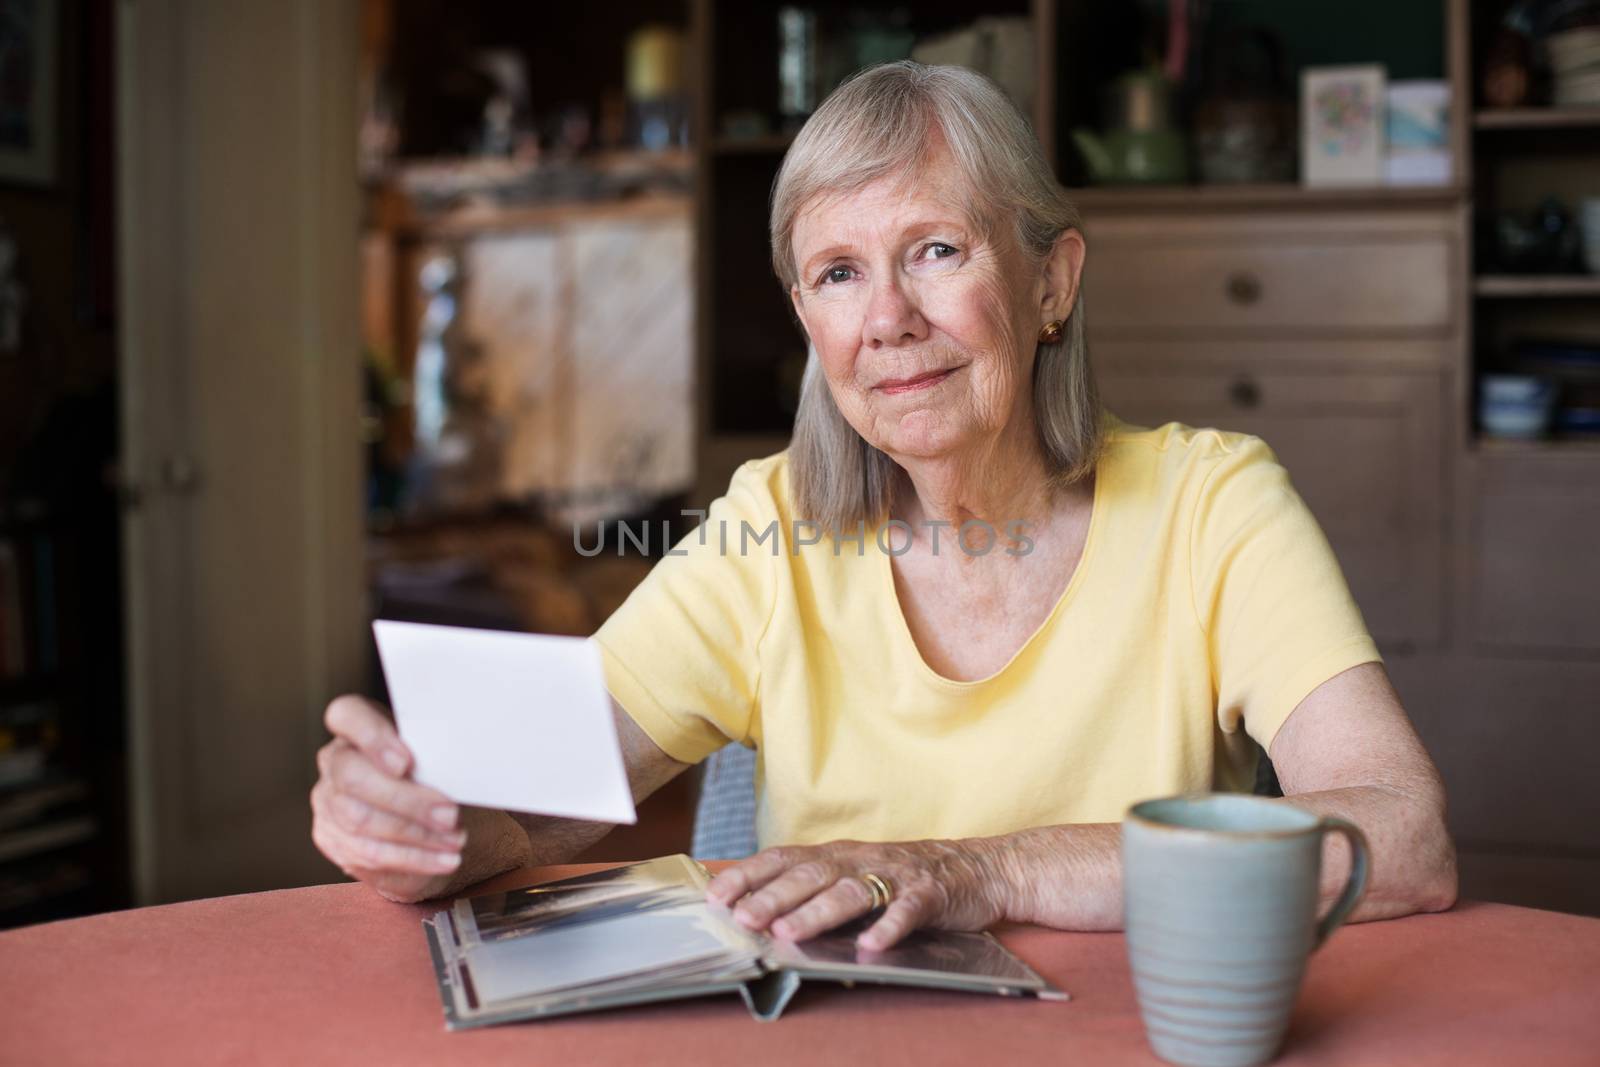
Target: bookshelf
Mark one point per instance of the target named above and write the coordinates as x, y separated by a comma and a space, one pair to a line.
1536, 286
60, 838
1521, 159
1538, 118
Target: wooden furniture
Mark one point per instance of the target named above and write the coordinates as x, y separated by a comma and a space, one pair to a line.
1518, 687
63, 746
332, 973
568, 344
1347, 328
1325, 333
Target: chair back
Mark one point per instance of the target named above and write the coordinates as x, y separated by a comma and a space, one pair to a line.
725, 817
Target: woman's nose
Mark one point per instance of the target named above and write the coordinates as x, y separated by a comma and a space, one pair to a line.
892, 316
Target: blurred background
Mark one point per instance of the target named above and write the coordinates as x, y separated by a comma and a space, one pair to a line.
315, 312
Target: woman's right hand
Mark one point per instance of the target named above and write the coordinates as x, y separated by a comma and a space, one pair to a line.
402, 838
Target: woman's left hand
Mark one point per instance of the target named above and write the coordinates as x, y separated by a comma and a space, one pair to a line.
799, 891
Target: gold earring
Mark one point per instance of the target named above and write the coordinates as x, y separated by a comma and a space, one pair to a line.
1050, 333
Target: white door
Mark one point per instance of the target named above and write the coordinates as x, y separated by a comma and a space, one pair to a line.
240, 373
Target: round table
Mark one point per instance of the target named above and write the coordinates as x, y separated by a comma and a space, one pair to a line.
335, 974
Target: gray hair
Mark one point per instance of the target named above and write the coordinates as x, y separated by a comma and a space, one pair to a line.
880, 123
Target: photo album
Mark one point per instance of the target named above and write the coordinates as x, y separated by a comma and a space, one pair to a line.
646, 932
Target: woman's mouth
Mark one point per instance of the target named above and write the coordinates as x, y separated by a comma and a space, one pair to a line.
894, 386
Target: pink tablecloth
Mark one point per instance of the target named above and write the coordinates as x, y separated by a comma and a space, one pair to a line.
335, 974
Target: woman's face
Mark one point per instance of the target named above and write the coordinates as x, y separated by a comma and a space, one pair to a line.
925, 330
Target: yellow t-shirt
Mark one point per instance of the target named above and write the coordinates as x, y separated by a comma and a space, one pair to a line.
1206, 599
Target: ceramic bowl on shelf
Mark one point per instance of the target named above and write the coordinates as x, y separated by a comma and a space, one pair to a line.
1523, 422
1578, 422
1516, 405
1517, 389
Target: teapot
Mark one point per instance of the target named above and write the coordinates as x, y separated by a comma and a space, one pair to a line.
1140, 144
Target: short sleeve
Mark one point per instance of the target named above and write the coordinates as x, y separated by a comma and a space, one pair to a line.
1278, 614
681, 653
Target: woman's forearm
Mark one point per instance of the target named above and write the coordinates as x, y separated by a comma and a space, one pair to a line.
553, 840
1413, 861
1070, 877
498, 841
494, 844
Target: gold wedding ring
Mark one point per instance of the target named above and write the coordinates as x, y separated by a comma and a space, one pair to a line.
882, 890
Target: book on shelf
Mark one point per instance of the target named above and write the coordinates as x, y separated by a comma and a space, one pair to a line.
13, 637
28, 639
29, 737
46, 648
46, 794
44, 878
647, 932
46, 836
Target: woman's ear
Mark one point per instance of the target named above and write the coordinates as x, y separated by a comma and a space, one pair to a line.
1063, 272
799, 310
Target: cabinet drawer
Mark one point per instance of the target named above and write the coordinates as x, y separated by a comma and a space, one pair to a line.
1362, 450
1154, 279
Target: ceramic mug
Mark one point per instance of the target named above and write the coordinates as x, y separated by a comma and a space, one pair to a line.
1220, 897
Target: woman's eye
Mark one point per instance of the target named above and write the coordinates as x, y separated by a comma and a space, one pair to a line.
938, 250
836, 274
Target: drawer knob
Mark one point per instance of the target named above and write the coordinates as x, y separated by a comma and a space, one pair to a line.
1244, 288
1245, 393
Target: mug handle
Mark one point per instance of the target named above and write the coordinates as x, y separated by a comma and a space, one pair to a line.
1354, 886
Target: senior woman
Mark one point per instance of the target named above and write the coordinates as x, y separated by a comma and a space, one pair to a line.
967, 617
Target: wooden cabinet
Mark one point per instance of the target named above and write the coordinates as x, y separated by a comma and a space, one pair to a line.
1557, 882
1515, 740
1513, 737
1324, 333
1362, 449
1340, 336
1337, 324
1535, 566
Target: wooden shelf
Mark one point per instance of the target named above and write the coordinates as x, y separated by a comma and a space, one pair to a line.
472, 219
1537, 285
1538, 118
46, 837
29, 688
23, 515
1566, 447
1285, 194
15, 898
